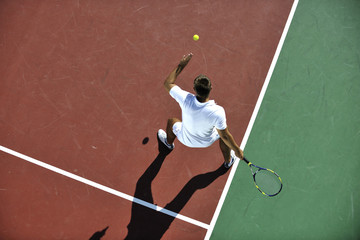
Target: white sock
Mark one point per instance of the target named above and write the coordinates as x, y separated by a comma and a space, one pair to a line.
168, 143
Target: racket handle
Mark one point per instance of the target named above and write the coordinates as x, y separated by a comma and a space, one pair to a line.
246, 160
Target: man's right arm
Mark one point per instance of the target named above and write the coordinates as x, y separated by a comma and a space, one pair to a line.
230, 142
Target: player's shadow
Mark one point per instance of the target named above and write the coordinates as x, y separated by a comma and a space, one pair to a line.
147, 223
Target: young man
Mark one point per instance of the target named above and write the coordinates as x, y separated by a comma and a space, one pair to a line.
204, 121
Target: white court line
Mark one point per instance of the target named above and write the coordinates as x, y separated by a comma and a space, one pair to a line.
252, 119
104, 188
210, 227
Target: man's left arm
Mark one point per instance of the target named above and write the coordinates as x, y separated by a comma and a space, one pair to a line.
170, 80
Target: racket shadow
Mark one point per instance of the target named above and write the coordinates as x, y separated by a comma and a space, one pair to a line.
146, 223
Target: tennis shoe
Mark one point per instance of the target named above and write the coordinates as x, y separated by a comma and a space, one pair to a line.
162, 137
232, 160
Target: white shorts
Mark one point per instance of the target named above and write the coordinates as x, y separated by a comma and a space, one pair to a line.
178, 131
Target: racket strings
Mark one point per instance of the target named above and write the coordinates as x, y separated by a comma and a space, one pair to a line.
268, 182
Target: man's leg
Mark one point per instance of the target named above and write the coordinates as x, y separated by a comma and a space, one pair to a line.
225, 151
169, 132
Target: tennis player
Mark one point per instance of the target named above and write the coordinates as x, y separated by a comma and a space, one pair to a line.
203, 121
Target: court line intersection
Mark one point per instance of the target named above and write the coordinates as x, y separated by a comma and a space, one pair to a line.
104, 188
208, 227
252, 119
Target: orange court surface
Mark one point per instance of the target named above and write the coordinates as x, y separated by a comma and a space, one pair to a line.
82, 87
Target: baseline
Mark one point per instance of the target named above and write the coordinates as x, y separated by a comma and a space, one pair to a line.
104, 188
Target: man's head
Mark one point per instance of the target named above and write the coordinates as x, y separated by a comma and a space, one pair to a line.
202, 86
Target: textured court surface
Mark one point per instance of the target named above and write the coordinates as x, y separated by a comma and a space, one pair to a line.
308, 130
81, 89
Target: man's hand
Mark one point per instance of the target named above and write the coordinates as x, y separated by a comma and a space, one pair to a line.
170, 80
240, 154
183, 62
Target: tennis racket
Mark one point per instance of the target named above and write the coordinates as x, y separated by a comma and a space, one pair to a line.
266, 180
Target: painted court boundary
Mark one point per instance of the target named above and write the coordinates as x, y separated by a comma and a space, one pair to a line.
104, 188
252, 119
210, 227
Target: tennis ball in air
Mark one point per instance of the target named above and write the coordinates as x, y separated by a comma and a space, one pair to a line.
196, 37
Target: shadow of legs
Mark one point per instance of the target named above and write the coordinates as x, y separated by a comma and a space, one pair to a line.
198, 182
147, 223
98, 235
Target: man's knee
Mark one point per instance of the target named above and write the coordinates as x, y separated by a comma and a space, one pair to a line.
172, 121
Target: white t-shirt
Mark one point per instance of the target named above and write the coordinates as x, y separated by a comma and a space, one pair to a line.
199, 120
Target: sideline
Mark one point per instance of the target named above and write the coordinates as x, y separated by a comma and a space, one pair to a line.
252, 119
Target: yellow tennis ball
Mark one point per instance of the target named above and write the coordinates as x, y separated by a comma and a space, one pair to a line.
196, 37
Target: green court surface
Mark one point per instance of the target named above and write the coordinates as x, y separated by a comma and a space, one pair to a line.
307, 130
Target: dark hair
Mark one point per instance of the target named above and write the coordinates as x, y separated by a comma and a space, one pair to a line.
202, 86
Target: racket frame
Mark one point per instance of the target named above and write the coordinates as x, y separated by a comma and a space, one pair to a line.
250, 164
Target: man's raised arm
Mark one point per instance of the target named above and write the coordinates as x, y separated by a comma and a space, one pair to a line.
170, 80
